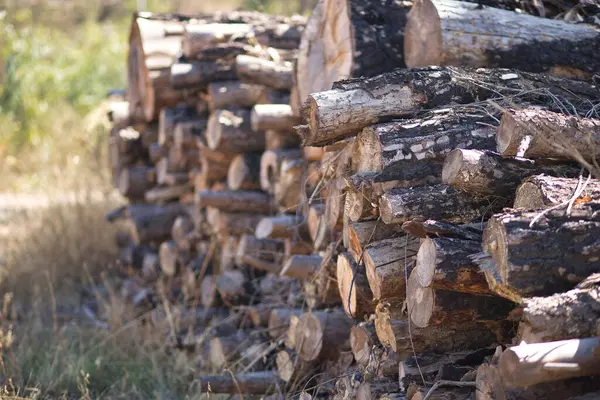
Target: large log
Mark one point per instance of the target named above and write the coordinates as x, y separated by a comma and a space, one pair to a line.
448, 32
349, 38
230, 132
570, 315
525, 255
264, 72
278, 117
354, 104
543, 191
244, 172
488, 173
320, 334
353, 285
261, 382
440, 202
548, 135
198, 74
235, 201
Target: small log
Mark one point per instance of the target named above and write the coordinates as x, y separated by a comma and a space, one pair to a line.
263, 72
182, 227
388, 262
261, 382
270, 166
543, 191
279, 321
278, 117
301, 267
550, 256
445, 263
530, 364
362, 338
235, 201
230, 132
269, 250
228, 224
198, 74
284, 226
488, 173
362, 234
198, 37
549, 135
244, 172
168, 256
440, 202
167, 193
152, 223
570, 315
135, 181
353, 285
275, 140
235, 94
401, 93
321, 334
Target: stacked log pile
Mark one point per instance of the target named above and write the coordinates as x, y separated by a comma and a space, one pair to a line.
425, 232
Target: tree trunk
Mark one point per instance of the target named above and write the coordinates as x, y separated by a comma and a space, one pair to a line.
353, 285
447, 32
279, 321
440, 202
301, 267
524, 258
230, 132
263, 72
537, 133
284, 226
354, 104
542, 191
278, 117
321, 334
235, 201
198, 74
488, 173
261, 382
244, 172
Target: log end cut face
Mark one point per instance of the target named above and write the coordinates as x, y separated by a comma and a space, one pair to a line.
367, 152
425, 264
309, 337
361, 345
346, 286
285, 366
420, 301
237, 173
423, 36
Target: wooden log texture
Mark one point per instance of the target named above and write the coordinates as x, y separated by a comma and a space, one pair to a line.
543, 191
301, 267
279, 321
281, 140
264, 72
362, 338
235, 201
549, 135
284, 226
321, 334
236, 94
353, 285
186, 134
262, 382
135, 181
288, 193
270, 250
448, 32
153, 223
278, 117
198, 74
270, 166
524, 258
230, 132
440, 202
214, 165
168, 118
354, 104
488, 173
244, 172
197, 37
236, 224
361, 234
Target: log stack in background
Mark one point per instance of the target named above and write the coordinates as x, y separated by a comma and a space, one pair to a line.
368, 237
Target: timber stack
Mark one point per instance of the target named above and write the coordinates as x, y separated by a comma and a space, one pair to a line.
413, 213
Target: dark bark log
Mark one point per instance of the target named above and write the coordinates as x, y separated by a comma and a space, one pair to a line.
284, 226
551, 255
230, 132
152, 223
440, 202
321, 334
235, 201
488, 173
543, 191
135, 181
278, 117
353, 285
244, 172
362, 338
433, 228
301, 267
261, 382
198, 74
263, 72
279, 321
354, 104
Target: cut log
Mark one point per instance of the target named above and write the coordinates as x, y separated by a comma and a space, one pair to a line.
278, 117
362, 234
214, 165
488, 173
152, 223
543, 191
529, 364
269, 250
431, 307
230, 132
362, 338
198, 37
349, 38
301, 267
415, 149
167, 193
440, 202
244, 172
570, 315
236, 224
447, 32
198, 74
236, 94
281, 140
284, 226
288, 193
353, 285
354, 104
388, 262
263, 72
551, 255
235, 201
321, 334
135, 181
548, 135
279, 321
445, 263
168, 119
270, 166
261, 382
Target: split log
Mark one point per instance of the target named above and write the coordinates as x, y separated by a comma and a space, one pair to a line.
152, 223
415, 148
570, 315
168, 118
431, 307
354, 104
279, 321
488, 173
135, 181
542, 191
284, 226
244, 172
361, 234
362, 338
529, 364
388, 262
437, 33
292, 369
198, 74
281, 140
230, 132
261, 382
270, 166
524, 257
353, 285
445, 263
278, 117
349, 38
548, 135
269, 250
167, 193
264, 72
235, 201
197, 37
439, 202
321, 334
301, 267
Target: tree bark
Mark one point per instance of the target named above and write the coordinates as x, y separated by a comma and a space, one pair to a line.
261, 382
301, 267
353, 285
230, 132
542, 191
152, 223
198, 74
354, 104
321, 334
264, 72
235, 201
278, 117
236, 94
244, 172
168, 118
488, 173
